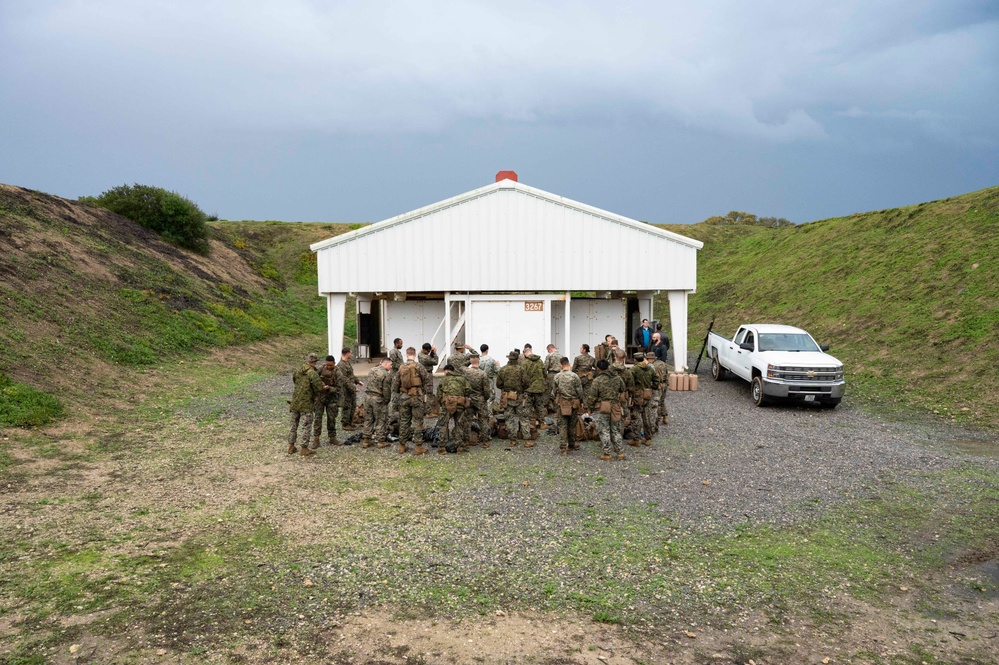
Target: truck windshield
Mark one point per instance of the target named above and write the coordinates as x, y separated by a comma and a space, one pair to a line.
786, 342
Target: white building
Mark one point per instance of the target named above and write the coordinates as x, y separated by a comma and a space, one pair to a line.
499, 265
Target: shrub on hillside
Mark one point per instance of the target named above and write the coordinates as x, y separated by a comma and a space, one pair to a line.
177, 219
22, 406
739, 218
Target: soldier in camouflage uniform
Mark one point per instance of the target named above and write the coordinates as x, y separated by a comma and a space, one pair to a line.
659, 394
308, 386
534, 382
459, 359
606, 388
489, 365
568, 395
452, 390
510, 381
395, 355
327, 404
428, 359
412, 401
479, 389
584, 366
552, 368
619, 369
377, 395
348, 390
612, 350
646, 382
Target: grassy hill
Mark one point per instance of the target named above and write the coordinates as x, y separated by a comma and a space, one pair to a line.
908, 297
85, 292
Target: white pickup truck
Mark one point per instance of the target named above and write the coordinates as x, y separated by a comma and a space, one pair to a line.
780, 362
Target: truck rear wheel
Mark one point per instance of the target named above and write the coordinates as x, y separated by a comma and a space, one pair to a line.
717, 371
759, 399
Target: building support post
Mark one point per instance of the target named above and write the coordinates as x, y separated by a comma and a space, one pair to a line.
568, 351
445, 353
335, 314
678, 323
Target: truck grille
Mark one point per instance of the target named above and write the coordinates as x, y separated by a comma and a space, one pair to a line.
802, 374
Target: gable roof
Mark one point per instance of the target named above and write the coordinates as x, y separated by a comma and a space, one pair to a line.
507, 236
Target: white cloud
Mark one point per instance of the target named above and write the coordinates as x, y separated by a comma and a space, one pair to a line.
763, 69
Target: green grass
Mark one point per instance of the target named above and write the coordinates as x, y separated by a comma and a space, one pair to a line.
22, 406
906, 297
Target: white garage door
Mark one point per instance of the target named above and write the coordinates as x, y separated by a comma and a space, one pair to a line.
414, 321
507, 324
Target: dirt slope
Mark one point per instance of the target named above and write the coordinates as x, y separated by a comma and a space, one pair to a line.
85, 291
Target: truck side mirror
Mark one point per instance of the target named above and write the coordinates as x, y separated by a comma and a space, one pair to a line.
823, 347
746, 346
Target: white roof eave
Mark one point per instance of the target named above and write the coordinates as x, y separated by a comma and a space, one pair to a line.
501, 185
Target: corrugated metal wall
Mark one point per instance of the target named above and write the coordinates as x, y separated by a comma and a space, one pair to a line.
507, 240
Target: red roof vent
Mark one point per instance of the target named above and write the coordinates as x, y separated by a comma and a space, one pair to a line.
506, 175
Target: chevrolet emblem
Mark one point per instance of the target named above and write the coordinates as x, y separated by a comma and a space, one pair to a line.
811, 374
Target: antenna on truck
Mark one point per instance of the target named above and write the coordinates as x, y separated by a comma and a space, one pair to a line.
704, 345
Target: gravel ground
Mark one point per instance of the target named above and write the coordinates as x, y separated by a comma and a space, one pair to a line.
505, 527
770, 464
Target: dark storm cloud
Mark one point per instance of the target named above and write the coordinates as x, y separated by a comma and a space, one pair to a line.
175, 90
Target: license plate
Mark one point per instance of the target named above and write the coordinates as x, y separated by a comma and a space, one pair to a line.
809, 398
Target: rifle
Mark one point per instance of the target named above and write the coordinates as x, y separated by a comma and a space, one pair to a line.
704, 345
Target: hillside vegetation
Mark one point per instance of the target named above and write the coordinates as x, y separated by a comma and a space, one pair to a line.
908, 297
85, 292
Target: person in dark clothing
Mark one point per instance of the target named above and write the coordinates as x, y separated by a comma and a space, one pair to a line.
660, 345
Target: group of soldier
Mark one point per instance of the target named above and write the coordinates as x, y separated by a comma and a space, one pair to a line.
627, 404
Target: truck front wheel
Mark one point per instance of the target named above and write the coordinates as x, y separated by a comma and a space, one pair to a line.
759, 399
717, 371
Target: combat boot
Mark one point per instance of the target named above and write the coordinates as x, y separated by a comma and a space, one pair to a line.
647, 442
620, 456
315, 443
333, 442
292, 449
633, 442
402, 448
665, 420
564, 451
365, 442
441, 449
382, 444
420, 450
605, 457
306, 451
485, 444
530, 444
513, 443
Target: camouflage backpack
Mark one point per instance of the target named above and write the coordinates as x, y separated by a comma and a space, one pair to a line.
409, 377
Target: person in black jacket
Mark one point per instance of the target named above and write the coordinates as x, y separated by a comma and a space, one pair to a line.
660, 345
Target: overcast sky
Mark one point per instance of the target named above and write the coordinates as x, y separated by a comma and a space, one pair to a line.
667, 111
